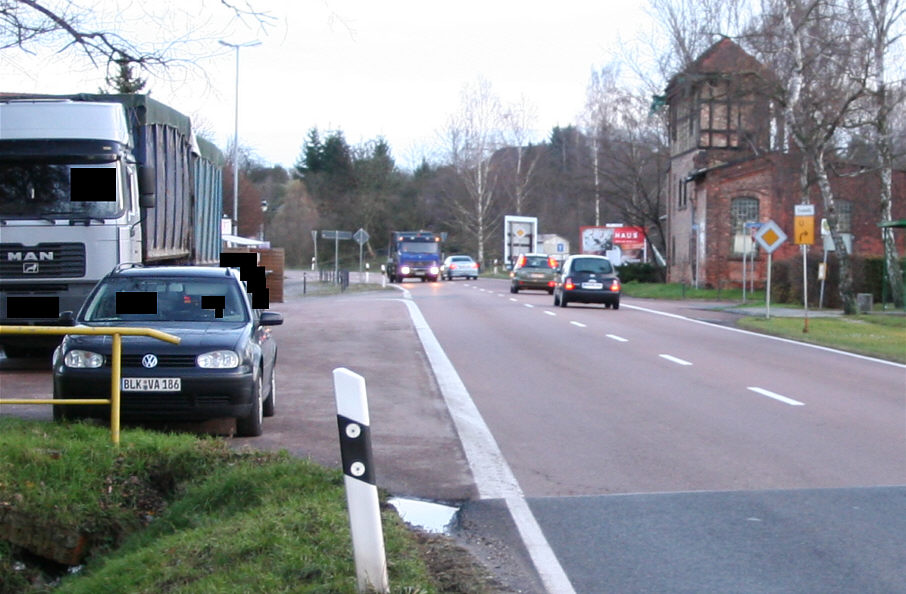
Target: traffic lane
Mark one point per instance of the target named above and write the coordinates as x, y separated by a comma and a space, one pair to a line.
416, 450
634, 421
833, 383
828, 540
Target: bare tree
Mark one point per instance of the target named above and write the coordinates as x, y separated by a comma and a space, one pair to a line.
518, 119
473, 135
882, 32
73, 26
814, 45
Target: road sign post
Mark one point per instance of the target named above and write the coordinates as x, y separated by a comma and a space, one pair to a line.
361, 237
770, 236
804, 225
336, 236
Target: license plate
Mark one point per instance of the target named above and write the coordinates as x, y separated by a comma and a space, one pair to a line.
592, 286
152, 384
536, 275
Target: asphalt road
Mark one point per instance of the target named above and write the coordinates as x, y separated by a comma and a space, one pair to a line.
633, 450
660, 453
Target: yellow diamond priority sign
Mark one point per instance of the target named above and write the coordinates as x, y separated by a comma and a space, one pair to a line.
770, 236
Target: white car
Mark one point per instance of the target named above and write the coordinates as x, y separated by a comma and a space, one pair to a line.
459, 266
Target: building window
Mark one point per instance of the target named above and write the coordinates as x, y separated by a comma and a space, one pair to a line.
742, 211
682, 198
720, 115
844, 216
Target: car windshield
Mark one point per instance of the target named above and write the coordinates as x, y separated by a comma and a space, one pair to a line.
166, 300
462, 259
593, 265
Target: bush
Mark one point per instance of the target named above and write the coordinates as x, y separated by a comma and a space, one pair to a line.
641, 272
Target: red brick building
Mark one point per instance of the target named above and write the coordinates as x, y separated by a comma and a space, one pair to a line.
732, 165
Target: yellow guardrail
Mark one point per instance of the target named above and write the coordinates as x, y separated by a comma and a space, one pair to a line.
115, 364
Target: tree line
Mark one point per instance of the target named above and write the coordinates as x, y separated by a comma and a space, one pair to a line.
838, 81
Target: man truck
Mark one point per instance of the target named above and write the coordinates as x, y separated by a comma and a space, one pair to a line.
413, 254
88, 182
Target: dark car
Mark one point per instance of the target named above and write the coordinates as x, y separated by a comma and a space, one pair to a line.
587, 279
224, 365
533, 271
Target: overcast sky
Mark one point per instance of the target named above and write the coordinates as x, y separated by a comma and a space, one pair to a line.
392, 68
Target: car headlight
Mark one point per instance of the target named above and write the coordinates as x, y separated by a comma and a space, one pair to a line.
79, 359
218, 360
435, 270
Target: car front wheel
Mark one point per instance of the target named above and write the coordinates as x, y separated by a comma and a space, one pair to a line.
271, 401
251, 426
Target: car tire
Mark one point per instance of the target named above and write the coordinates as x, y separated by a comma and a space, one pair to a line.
562, 300
556, 300
616, 304
271, 401
251, 426
514, 289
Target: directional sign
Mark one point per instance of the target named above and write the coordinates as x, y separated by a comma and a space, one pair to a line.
336, 234
804, 224
770, 236
361, 236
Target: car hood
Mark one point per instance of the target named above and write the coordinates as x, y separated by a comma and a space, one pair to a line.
197, 337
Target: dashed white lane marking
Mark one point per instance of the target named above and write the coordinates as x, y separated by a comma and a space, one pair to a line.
550, 313
529, 305
617, 338
493, 476
776, 396
579, 324
676, 360
514, 300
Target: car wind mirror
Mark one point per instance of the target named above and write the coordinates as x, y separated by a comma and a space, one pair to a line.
270, 318
67, 319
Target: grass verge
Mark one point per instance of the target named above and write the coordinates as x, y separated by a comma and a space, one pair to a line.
875, 335
180, 513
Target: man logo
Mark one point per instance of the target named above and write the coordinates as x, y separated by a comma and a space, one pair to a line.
149, 361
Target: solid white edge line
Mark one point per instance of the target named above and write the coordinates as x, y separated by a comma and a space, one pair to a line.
676, 360
493, 476
765, 336
776, 396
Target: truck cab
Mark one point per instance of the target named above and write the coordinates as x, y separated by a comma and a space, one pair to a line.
414, 254
89, 182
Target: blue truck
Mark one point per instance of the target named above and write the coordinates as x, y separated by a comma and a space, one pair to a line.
88, 182
414, 254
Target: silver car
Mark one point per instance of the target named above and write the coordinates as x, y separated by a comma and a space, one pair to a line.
459, 267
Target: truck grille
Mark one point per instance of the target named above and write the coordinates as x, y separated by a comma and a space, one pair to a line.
45, 260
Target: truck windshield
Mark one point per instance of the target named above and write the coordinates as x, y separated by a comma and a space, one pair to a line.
418, 247
43, 189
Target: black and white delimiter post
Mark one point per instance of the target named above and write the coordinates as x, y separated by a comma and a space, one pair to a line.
361, 491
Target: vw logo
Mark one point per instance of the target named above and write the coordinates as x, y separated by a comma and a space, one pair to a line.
149, 361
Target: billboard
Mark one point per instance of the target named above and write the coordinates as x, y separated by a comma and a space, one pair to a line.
618, 242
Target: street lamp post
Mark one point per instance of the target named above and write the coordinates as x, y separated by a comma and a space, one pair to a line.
236, 134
